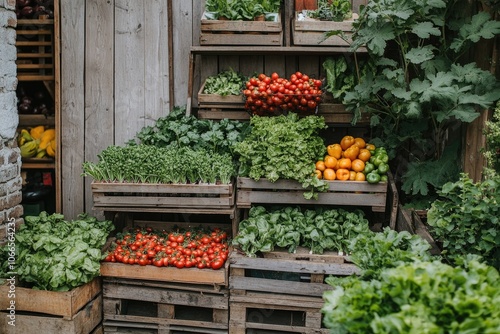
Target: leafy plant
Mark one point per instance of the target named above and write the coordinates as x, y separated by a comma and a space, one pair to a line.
466, 218
56, 254
333, 10
225, 83
421, 91
245, 10
318, 229
492, 134
180, 130
283, 147
417, 297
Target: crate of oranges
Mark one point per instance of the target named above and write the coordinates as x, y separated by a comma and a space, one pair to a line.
349, 167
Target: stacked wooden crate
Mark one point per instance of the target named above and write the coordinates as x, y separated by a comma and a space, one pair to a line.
281, 292
78, 311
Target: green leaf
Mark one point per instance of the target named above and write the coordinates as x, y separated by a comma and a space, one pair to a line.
420, 54
425, 29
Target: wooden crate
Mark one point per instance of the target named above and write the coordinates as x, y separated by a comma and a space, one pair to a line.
35, 49
138, 196
312, 32
220, 102
343, 193
281, 292
165, 274
164, 307
85, 321
58, 303
409, 220
227, 32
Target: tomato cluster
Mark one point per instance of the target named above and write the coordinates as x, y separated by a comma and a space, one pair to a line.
187, 249
272, 95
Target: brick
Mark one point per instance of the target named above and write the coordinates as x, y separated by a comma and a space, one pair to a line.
13, 157
7, 172
14, 199
15, 212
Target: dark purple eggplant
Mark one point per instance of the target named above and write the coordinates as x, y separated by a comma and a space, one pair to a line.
25, 108
27, 12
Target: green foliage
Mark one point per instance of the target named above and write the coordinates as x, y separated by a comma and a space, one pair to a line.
152, 164
180, 130
417, 297
333, 10
283, 147
245, 10
318, 229
466, 218
225, 83
59, 255
420, 89
492, 134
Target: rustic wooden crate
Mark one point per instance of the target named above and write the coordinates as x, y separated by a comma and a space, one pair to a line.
409, 220
85, 321
344, 193
312, 32
35, 45
58, 303
165, 307
218, 102
165, 274
227, 32
137, 196
282, 291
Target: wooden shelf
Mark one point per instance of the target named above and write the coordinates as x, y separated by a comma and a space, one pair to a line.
34, 120
34, 163
280, 50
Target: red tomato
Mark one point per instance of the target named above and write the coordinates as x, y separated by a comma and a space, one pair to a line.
217, 263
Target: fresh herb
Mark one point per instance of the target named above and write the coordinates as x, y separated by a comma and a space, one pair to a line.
152, 164
225, 83
417, 297
466, 218
319, 229
180, 130
332, 10
57, 254
283, 147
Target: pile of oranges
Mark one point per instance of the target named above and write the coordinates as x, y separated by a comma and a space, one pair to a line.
345, 161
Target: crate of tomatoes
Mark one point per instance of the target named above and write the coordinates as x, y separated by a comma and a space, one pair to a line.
186, 255
274, 95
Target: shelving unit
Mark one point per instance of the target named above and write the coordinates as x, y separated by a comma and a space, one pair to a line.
38, 59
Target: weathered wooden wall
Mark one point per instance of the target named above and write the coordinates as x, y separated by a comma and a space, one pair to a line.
115, 74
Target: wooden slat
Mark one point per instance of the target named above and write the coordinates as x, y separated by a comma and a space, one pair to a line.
183, 17
277, 286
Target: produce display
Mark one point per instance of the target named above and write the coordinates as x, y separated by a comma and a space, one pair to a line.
318, 229
153, 164
57, 254
330, 10
228, 82
271, 95
194, 248
248, 10
33, 100
37, 142
417, 297
354, 160
283, 147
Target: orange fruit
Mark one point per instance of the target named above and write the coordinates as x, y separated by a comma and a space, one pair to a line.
329, 174
352, 175
364, 154
346, 142
330, 162
352, 152
335, 150
370, 147
345, 163
358, 165
320, 165
360, 176
360, 142
342, 174
319, 174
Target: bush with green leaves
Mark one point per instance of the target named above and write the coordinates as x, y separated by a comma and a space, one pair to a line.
466, 218
421, 91
492, 134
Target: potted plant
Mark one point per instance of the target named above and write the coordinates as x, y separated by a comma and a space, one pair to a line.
421, 91
333, 10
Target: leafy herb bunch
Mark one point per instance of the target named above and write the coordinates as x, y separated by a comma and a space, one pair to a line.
421, 88
180, 130
283, 147
59, 255
153, 164
466, 218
